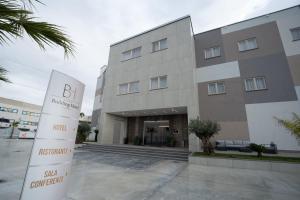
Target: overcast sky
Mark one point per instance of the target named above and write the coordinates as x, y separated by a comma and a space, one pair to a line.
95, 24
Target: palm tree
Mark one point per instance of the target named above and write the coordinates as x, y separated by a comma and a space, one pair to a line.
13, 125
16, 18
292, 125
3, 73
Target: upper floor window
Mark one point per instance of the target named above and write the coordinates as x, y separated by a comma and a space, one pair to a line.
159, 45
30, 113
133, 53
212, 52
127, 88
255, 83
11, 110
159, 82
216, 88
295, 33
248, 44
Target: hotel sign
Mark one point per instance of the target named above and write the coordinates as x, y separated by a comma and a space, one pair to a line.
52, 152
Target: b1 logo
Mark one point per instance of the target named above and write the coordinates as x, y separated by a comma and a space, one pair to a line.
68, 92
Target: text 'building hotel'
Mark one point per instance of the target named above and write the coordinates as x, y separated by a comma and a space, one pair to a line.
241, 75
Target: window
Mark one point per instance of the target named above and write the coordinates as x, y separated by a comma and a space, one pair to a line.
295, 33
159, 82
159, 45
257, 83
11, 110
127, 88
123, 88
14, 110
212, 52
134, 87
133, 53
216, 88
248, 44
24, 112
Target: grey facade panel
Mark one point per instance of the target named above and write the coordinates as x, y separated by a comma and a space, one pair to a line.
223, 107
95, 117
276, 71
206, 40
294, 63
267, 37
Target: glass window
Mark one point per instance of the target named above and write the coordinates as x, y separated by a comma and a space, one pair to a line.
24, 112
248, 44
3, 109
163, 82
216, 88
126, 55
163, 44
155, 46
159, 45
159, 82
133, 53
134, 87
295, 33
249, 84
123, 88
256, 83
154, 83
212, 89
136, 52
212, 52
260, 83
15, 110
221, 87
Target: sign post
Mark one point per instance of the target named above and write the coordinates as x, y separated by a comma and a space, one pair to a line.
52, 152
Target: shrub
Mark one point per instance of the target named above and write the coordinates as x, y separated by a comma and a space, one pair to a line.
137, 140
257, 148
204, 130
171, 141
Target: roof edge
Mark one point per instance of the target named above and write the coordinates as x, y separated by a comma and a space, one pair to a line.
249, 19
152, 29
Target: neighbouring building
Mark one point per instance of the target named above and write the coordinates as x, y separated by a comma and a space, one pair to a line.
241, 75
26, 114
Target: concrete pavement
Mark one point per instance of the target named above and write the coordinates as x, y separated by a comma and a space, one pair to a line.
97, 176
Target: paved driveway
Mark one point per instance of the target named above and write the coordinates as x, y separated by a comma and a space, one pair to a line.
109, 176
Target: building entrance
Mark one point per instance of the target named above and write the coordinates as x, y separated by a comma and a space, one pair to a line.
162, 130
156, 133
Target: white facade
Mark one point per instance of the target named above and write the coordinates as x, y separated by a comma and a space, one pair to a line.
26, 114
263, 127
217, 72
177, 62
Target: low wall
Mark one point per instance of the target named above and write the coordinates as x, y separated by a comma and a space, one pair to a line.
246, 164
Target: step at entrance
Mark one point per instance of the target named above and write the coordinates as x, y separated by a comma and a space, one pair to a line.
144, 151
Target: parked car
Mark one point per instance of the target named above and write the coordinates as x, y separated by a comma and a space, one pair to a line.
4, 123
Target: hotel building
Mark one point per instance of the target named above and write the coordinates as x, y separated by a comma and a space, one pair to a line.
241, 75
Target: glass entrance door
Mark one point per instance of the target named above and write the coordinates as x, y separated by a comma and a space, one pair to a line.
156, 132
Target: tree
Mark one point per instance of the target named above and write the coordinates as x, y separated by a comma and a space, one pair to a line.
14, 125
83, 129
16, 18
204, 130
292, 125
3, 73
257, 148
82, 114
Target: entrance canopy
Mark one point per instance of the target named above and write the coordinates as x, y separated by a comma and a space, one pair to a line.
152, 112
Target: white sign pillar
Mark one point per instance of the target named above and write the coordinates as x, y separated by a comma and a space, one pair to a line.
52, 152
